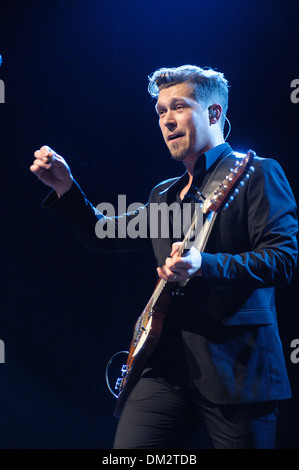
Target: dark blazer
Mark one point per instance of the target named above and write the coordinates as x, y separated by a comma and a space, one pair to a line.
225, 326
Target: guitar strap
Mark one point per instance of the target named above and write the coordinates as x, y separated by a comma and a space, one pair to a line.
218, 175
222, 169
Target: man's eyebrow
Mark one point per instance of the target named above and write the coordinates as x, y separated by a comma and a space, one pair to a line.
173, 101
158, 107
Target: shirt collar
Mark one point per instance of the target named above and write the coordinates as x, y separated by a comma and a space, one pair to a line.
204, 163
207, 159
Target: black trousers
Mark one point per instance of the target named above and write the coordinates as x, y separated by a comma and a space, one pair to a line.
158, 415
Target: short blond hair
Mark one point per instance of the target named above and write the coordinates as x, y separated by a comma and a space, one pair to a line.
210, 87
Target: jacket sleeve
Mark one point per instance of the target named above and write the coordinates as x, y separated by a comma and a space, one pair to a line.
272, 233
99, 232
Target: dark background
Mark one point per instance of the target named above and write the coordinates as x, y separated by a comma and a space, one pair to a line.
75, 76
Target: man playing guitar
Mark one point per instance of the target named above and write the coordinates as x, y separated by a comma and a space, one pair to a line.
218, 360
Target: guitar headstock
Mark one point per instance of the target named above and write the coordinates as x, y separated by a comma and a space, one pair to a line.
223, 194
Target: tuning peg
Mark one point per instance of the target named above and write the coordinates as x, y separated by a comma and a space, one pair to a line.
251, 168
229, 178
236, 191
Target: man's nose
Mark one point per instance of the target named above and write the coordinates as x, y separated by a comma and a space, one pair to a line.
169, 120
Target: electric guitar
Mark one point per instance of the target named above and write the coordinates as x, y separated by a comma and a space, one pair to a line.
149, 325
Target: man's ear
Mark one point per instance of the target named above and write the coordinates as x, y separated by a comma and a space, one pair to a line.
215, 111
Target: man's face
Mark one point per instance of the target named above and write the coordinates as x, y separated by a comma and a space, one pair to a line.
183, 122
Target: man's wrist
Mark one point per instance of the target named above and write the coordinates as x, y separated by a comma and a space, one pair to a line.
63, 189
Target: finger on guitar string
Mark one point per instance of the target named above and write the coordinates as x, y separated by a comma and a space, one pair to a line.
175, 248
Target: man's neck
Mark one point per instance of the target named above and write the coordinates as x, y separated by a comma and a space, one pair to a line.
191, 161
189, 165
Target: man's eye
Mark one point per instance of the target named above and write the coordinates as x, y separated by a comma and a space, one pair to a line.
179, 106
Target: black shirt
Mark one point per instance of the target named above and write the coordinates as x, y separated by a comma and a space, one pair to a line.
169, 357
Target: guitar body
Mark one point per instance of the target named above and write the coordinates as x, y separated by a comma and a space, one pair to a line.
149, 325
147, 333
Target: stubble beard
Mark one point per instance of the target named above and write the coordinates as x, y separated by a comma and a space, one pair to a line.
176, 154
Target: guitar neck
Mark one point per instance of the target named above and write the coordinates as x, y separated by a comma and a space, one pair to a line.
202, 234
162, 283
200, 243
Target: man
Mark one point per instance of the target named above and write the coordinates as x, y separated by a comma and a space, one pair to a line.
219, 360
